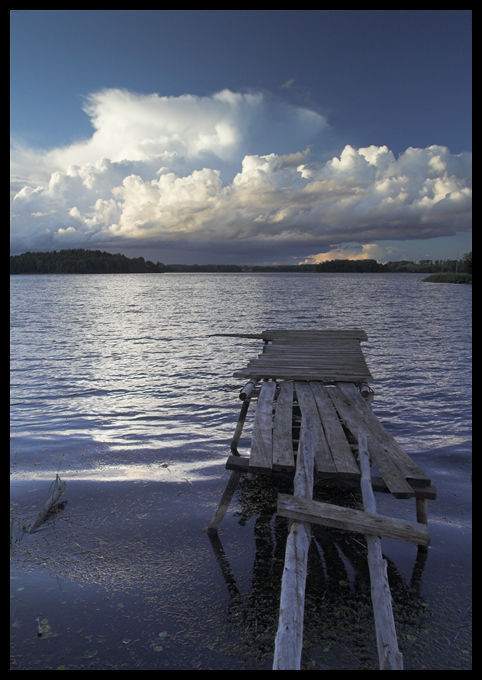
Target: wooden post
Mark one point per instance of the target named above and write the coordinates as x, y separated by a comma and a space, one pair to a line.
389, 655
245, 396
422, 510
289, 638
233, 482
247, 389
239, 427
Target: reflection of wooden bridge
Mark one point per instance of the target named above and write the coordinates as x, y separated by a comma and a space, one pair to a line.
313, 422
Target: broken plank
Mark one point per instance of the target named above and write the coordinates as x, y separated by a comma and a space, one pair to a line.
341, 452
409, 469
311, 431
354, 419
306, 510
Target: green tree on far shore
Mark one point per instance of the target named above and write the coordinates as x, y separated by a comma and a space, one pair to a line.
81, 261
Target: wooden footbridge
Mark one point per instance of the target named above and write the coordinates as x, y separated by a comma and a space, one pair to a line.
313, 421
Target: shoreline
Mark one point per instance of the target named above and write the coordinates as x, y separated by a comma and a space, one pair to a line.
125, 577
448, 278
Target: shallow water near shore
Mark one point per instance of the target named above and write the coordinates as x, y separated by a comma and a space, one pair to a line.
137, 418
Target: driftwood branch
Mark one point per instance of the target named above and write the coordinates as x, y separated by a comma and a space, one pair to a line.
42, 516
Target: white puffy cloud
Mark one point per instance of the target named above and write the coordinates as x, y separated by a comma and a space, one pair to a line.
165, 170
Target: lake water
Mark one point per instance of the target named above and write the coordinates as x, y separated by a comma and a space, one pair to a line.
118, 378
110, 369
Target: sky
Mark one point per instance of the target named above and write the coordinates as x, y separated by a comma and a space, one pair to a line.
242, 136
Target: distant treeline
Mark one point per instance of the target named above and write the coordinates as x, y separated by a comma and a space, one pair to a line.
81, 261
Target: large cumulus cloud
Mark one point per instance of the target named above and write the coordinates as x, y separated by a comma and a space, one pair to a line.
229, 168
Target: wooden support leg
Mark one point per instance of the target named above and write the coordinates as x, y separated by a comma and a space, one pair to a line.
233, 482
390, 658
239, 427
422, 510
422, 517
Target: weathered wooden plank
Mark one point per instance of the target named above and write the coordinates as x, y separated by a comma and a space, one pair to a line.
389, 655
291, 360
272, 350
293, 374
289, 638
312, 360
408, 468
354, 420
284, 345
312, 347
311, 430
341, 452
262, 438
306, 367
286, 333
307, 350
327, 355
316, 343
303, 510
283, 458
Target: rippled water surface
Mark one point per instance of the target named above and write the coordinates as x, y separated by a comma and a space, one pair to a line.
118, 377
122, 369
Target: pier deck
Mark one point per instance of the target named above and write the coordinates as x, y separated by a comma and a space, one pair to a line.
313, 422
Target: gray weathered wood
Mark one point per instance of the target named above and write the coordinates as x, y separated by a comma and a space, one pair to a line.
283, 458
389, 656
408, 468
46, 508
262, 439
271, 334
338, 517
312, 430
239, 426
356, 419
345, 464
323, 375
422, 510
310, 335
310, 355
247, 390
289, 637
